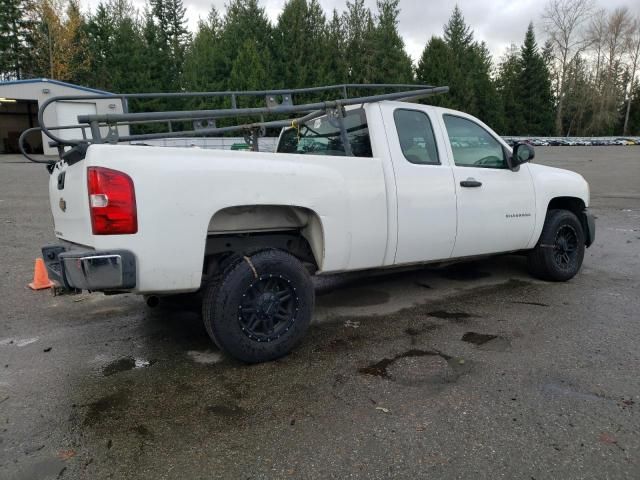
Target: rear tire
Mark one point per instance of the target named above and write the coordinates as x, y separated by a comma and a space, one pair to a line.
260, 308
559, 252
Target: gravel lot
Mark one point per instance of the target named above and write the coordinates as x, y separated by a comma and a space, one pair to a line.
471, 371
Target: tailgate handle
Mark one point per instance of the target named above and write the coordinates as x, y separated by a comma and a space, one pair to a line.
470, 182
61, 180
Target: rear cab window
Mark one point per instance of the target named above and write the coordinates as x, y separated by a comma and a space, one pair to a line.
415, 134
322, 136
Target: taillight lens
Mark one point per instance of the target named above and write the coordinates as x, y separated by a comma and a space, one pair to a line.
112, 201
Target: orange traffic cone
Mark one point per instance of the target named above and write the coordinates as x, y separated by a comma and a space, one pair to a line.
40, 277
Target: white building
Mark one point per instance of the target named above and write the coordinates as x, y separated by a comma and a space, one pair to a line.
21, 99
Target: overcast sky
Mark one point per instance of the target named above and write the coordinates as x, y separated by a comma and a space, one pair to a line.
498, 22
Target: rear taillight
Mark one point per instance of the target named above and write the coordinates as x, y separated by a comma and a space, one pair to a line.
112, 202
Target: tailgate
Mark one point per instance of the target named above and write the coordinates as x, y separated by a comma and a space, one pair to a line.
69, 203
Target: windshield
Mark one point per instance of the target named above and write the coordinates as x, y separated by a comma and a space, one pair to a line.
322, 136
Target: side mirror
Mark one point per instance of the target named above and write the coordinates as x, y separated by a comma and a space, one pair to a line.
522, 153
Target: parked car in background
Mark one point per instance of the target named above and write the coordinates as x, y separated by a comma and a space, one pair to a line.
624, 141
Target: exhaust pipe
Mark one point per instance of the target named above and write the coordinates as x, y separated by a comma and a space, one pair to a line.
152, 300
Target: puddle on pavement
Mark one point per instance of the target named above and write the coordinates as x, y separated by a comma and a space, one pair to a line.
125, 363
487, 341
379, 369
354, 297
455, 316
415, 367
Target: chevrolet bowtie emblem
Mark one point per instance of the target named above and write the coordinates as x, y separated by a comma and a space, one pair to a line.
63, 204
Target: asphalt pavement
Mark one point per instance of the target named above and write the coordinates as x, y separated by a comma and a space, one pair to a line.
473, 370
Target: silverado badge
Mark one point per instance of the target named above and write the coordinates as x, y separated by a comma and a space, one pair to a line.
63, 204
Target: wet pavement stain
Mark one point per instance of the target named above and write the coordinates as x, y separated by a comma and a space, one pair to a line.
142, 430
125, 363
455, 316
340, 343
415, 332
105, 406
478, 338
536, 304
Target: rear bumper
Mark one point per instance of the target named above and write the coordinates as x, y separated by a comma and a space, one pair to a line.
589, 221
93, 270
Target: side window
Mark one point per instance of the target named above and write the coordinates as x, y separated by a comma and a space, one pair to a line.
416, 137
472, 145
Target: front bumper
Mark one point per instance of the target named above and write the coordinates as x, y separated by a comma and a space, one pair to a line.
93, 270
589, 223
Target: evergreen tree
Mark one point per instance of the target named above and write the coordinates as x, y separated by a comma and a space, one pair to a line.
465, 66
100, 36
535, 96
300, 38
245, 28
358, 27
508, 85
435, 68
488, 103
634, 113
15, 36
249, 68
168, 38
128, 61
459, 38
391, 63
337, 68
204, 67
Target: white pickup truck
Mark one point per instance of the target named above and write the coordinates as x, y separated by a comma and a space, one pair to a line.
392, 183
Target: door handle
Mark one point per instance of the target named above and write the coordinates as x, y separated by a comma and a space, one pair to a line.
470, 182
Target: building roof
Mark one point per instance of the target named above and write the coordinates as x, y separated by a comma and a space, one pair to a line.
55, 82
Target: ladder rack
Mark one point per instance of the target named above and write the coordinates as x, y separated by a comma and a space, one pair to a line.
104, 128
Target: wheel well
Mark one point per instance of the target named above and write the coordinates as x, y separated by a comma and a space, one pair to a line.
246, 229
574, 205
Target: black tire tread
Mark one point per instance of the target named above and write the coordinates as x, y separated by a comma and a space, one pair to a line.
539, 262
218, 287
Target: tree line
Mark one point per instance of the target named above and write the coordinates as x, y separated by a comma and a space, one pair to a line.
582, 81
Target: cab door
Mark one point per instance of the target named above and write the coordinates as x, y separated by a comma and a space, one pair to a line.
426, 203
495, 204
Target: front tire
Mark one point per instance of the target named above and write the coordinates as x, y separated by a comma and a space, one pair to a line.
559, 253
260, 308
